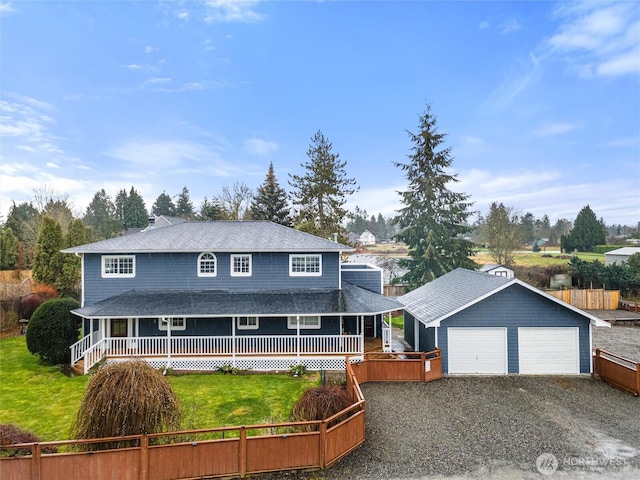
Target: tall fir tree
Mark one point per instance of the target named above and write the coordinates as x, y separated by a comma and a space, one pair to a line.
48, 258
101, 216
130, 209
184, 205
69, 281
433, 219
210, 210
163, 206
270, 201
587, 232
320, 194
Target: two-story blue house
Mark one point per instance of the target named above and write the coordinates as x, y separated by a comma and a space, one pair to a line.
251, 294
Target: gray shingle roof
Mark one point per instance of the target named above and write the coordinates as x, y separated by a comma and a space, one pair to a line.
351, 300
219, 236
450, 292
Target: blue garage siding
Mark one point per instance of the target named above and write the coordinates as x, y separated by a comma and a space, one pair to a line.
270, 271
409, 333
427, 338
516, 307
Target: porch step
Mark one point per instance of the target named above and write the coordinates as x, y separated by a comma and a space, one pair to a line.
78, 367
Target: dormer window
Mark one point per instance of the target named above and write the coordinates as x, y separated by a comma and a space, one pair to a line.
207, 264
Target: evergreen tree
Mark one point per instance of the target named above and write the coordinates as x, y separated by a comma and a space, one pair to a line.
48, 259
433, 219
130, 209
358, 222
270, 201
8, 249
527, 227
322, 191
210, 210
587, 232
184, 205
101, 216
69, 281
163, 206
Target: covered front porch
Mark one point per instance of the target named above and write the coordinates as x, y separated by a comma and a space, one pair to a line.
257, 352
319, 334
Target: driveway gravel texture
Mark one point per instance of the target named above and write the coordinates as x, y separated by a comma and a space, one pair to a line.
496, 427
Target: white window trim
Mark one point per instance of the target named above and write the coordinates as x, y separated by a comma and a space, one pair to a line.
305, 274
118, 275
248, 327
241, 274
292, 323
215, 269
163, 322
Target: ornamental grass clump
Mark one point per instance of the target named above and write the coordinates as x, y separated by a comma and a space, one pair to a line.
320, 403
126, 398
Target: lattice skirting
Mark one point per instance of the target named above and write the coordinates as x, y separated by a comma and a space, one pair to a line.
245, 363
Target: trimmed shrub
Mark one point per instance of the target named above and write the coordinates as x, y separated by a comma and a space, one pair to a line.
126, 398
52, 330
320, 403
12, 435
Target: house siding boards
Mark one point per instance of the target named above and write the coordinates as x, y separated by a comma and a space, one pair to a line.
270, 271
364, 276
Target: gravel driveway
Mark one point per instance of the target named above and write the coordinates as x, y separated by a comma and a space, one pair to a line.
497, 427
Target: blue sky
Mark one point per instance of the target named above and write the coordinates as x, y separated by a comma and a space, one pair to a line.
540, 100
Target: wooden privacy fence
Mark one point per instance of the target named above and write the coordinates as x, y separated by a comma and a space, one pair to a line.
617, 371
227, 451
589, 299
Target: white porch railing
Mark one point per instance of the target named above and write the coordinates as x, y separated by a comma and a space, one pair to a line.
386, 335
227, 346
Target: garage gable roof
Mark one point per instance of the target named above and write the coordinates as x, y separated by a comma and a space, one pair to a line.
457, 290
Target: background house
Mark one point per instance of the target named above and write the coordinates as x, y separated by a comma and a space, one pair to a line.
619, 255
488, 324
367, 238
499, 270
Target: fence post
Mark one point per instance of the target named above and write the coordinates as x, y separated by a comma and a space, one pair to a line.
144, 457
323, 444
596, 362
638, 378
423, 363
243, 451
36, 463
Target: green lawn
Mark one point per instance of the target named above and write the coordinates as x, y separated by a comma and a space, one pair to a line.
44, 401
544, 258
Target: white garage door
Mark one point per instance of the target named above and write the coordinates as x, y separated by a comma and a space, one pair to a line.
552, 350
477, 350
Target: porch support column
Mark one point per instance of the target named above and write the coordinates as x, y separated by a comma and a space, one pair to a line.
233, 341
168, 320
298, 339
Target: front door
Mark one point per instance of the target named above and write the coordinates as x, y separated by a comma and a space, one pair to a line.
119, 327
368, 327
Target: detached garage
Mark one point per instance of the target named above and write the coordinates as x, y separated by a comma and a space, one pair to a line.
490, 325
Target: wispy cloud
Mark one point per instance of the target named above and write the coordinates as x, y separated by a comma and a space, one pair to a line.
257, 146
518, 79
243, 11
155, 80
623, 142
484, 25
6, 8
598, 38
552, 129
150, 49
132, 66
509, 26
182, 14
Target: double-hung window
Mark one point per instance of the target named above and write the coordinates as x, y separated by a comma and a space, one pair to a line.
177, 323
207, 265
241, 265
118, 266
305, 322
305, 265
248, 323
